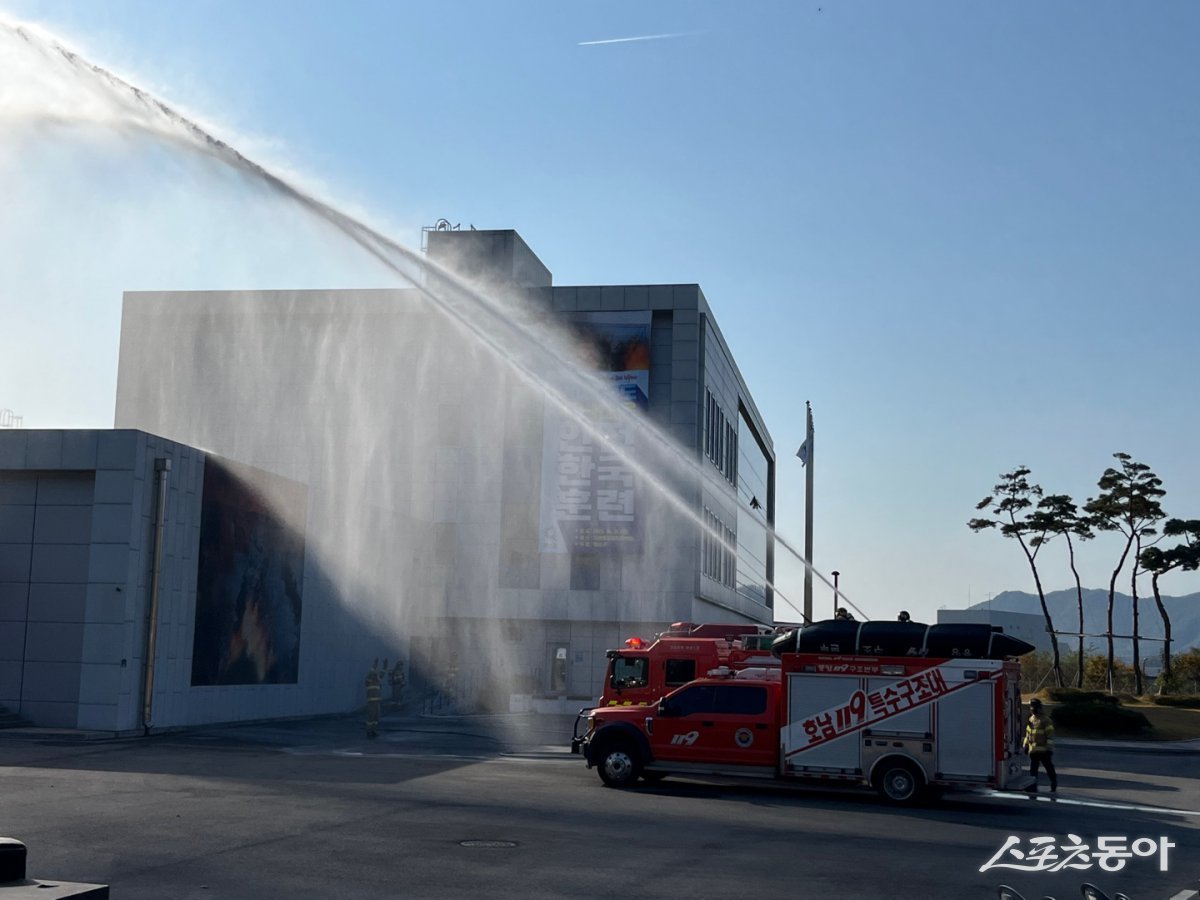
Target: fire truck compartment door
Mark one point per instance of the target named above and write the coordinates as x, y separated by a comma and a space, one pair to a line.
810, 695
911, 722
965, 734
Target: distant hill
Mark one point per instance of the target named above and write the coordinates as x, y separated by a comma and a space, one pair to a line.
1184, 612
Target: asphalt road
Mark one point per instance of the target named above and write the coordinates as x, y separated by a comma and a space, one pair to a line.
314, 810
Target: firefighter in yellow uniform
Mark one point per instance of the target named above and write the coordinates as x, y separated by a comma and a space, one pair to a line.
1039, 744
374, 698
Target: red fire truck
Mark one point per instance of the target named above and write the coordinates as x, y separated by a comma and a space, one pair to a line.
643, 671
902, 724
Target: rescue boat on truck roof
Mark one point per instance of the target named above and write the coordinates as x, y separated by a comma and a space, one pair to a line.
914, 639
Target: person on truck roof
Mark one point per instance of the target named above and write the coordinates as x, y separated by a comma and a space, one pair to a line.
843, 613
904, 616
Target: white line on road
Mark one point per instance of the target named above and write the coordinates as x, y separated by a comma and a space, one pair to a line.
1098, 804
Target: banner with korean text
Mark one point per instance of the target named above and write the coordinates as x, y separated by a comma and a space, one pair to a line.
588, 500
866, 709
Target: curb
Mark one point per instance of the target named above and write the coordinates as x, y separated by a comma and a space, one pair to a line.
60, 735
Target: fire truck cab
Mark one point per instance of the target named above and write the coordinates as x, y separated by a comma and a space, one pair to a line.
642, 672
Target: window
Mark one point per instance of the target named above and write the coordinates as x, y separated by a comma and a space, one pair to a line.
729, 459
753, 535
630, 672
720, 438
585, 571
718, 560
690, 701
739, 700
680, 671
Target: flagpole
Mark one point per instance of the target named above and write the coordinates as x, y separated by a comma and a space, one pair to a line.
808, 514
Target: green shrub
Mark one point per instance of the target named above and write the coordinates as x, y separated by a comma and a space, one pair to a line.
1102, 718
1167, 685
1075, 695
1188, 701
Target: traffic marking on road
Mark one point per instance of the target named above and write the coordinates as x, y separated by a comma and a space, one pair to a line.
1096, 804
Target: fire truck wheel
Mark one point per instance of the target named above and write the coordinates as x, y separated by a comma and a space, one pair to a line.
899, 781
620, 765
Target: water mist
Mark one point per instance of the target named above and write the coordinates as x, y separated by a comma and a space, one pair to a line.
415, 416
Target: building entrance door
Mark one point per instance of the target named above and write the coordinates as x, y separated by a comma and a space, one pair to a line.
556, 670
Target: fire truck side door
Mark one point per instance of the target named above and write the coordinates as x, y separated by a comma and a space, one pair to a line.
683, 730
721, 724
745, 732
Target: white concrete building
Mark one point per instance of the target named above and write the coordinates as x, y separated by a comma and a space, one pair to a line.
372, 483
1026, 626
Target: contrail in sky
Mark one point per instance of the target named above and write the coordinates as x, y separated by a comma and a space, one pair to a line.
642, 37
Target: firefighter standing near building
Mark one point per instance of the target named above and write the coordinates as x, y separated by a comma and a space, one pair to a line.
374, 698
1039, 744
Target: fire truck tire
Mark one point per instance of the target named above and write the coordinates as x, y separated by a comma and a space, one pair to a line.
620, 764
900, 781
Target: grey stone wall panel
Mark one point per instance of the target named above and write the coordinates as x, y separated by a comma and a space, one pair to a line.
16, 523
54, 682
53, 641
44, 450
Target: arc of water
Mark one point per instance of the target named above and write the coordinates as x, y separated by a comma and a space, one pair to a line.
453, 292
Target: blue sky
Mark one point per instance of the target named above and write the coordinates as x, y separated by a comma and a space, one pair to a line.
967, 232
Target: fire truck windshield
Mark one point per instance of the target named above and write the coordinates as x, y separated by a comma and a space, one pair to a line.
630, 672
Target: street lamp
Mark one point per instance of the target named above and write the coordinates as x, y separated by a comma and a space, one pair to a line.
835, 573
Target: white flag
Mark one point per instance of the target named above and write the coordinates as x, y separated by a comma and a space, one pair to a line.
803, 453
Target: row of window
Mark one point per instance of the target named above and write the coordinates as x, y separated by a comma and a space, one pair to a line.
634, 672
701, 699
754, 470
704, 699
719, 562
720, 438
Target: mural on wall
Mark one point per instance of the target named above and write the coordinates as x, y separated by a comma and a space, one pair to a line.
249, 582
588, 492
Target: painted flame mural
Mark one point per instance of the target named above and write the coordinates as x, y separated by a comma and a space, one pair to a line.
249, 582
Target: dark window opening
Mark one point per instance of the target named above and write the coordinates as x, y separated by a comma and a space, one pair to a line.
691, 701
585, 572
630, 673
680, 671
739, 700
720, 438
